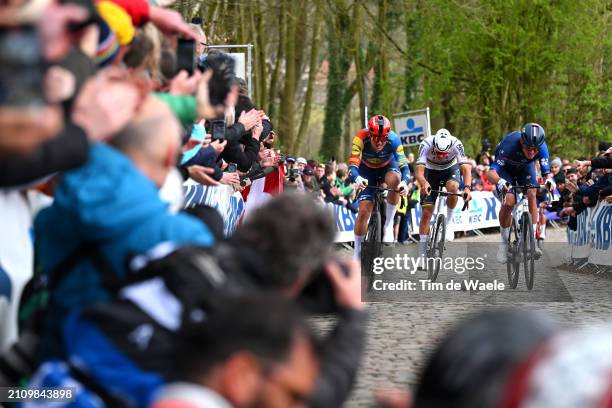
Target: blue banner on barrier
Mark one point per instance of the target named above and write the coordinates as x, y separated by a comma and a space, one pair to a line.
593, 235
602, 226
222, 198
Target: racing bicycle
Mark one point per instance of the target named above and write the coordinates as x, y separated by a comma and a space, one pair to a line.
437, 232
372, 243
521, 241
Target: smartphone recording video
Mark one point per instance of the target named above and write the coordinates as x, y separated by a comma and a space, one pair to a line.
21, 68
185, 55
217, 130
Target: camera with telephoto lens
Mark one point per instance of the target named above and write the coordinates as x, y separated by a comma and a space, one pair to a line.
223, 77
318, 296
293, 174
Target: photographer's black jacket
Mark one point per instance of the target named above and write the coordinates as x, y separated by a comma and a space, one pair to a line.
244, 159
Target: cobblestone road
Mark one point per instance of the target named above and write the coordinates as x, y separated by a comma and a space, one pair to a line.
406, 325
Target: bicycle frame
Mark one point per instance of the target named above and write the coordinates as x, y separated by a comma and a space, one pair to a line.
442, 194
520, 205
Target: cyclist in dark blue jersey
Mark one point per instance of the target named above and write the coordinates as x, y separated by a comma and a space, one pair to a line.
514, 164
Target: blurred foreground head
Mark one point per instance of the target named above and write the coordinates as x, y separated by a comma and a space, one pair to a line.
151, 139
254, 353
572, 369
474, 362
291, 235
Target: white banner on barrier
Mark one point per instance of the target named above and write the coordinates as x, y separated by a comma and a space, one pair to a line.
600, 234
222, 198
482, 212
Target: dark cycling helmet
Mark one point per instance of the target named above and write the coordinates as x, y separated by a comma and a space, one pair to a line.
379, 127
532, 135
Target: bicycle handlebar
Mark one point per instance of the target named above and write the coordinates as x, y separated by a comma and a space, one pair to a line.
384, 189
446, 193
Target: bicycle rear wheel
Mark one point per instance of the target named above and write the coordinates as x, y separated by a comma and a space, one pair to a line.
371, 248
512, 264
528, 248
436, 248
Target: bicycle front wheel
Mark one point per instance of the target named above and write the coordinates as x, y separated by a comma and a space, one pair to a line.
528, 248
512, 264
371, 248
434, 262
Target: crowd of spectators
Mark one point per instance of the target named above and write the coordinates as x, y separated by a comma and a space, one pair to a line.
107, 282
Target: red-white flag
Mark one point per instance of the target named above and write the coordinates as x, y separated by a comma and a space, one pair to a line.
261, 190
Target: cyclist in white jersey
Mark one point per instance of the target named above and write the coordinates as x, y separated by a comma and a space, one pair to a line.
441, 157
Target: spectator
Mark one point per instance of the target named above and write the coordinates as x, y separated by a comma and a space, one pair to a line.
301, 163
564, 193
312, 164
259, 255
555, 166
111, 204
333, 194
310, 182
601, 162
257, 354
256, 259
343, 183
495, 343
320, 173
290, 162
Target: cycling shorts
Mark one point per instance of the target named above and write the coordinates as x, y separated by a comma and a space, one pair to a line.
435, 178
374, 177
523, 176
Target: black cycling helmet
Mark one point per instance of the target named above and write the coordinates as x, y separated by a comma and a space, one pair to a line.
532, 135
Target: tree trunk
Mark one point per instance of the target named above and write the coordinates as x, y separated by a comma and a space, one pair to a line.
260, 61
279, 58
287, 106
412, 49
312, 74
338, 23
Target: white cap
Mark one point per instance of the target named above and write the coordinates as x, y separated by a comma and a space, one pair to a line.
301, 160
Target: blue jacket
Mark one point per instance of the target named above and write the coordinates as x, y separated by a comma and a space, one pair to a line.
111, 204
594, 189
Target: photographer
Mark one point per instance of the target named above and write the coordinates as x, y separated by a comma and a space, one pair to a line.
265, 258
293, 176
257, 259
257, 345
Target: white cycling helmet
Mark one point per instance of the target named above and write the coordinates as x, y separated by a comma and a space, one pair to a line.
442, 141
